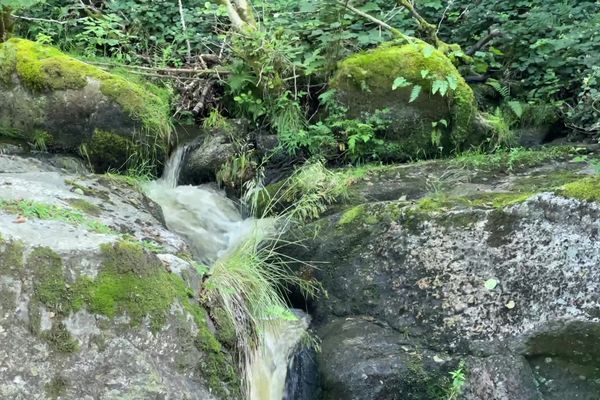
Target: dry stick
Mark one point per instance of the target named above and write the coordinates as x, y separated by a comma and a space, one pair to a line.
53, 21
371, 18
200, 106
187, 40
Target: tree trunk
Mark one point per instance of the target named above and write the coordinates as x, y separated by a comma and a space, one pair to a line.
240, 14
5, 23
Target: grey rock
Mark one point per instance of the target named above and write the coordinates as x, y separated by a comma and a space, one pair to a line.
421, 274
202, 163
48, 352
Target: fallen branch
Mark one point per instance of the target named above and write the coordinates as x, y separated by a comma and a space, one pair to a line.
193, 71
52, 21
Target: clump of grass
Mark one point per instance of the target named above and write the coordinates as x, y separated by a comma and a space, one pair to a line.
249, 283
305, 195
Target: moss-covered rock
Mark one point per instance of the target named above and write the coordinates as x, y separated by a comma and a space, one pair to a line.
47, 91
364, 84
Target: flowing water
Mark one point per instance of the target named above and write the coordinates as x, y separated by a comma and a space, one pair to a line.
213, 225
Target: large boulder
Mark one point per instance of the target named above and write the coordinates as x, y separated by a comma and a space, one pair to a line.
97, 298
54, 101
364, 85
452, 261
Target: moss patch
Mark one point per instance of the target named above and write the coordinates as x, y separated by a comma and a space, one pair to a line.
108, 151
56, 387
60, 340
85, 206
42, 68
133, 282
587, 189
11, 257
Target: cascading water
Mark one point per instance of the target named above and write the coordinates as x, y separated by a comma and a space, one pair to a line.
213, 226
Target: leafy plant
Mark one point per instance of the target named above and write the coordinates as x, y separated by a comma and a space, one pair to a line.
458, 381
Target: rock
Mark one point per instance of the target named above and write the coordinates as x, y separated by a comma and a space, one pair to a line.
203, 162
215, 149
95, 298
413, 259
54, 101
500, 377
364, 360
364, 82
532, 136
302, 381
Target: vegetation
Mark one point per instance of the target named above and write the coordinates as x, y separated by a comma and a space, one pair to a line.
338, 83
33, 209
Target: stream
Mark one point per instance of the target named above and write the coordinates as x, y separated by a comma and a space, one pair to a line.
212, 225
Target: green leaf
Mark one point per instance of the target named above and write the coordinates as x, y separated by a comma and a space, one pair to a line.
452, 82
491, 284
428, 51
443, 122
414, 94
516, 107
439, 86
400, 82
424, 73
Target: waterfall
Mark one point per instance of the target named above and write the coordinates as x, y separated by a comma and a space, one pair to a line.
268, 367
212, 225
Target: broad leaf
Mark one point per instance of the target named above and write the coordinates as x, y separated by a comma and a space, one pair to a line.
414, 94
400, 82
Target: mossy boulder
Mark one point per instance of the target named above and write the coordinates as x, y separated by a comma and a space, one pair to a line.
55, 101
364, 85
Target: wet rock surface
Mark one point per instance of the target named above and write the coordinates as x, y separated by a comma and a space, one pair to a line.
97, 296
497, 270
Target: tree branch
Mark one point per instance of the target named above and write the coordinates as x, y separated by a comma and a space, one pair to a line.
429, 29
190, 71
483, 41
394, 31
52, 21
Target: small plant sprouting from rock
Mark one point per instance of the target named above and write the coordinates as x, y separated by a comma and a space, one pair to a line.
458, 381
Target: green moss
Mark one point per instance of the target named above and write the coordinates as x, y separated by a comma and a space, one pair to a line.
512, 160
351, 215
587, 189
85, 206
108, 151
49, 284
216, 367
225, 328
42, 68
56, 387
499, 199
11, 257
133, 282
375, 71
60, 340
